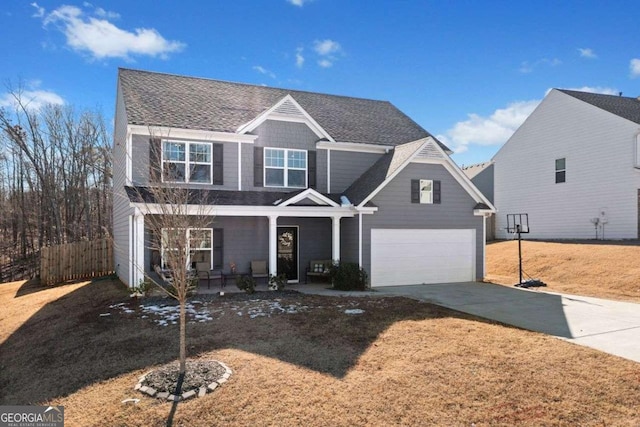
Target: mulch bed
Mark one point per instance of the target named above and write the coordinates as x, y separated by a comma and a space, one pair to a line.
200, 373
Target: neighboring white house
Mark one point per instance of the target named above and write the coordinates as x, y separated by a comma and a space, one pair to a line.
574, 168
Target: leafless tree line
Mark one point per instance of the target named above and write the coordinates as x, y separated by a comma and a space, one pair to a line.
55, 181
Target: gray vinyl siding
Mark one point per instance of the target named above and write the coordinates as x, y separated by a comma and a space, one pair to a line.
121, 209
321, 171
140, 154
395, 209
349, 239
347, 166
484, 182
278, 134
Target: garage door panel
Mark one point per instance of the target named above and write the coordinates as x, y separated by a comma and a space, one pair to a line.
415, 256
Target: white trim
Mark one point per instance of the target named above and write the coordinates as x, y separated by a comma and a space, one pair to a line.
271, 114
396, 172
329, 170
354, 146
335, 238
312, 194
360, 239
239, 167
231, 210
459, 176
190, 134
484, 246
273, 245
128, 159
138, 275
132, 265
297, 249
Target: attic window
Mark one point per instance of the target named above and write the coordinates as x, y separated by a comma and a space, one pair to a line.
561, 170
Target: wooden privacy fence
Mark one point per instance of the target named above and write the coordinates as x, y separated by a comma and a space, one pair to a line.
80, 260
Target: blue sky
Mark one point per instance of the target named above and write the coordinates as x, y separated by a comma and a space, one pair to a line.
467, 71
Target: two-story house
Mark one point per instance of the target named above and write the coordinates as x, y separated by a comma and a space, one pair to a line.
333, 177
574, 167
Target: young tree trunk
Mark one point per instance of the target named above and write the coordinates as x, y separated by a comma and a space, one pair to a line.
183, 337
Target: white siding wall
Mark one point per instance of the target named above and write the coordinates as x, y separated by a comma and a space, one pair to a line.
599, 151
121, 209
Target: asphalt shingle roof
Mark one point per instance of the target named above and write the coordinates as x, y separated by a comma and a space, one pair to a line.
623, 106
156, 99
380, 171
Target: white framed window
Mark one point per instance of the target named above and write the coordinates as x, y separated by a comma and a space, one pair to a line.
198, 241
561, 170
426, 191
184, 161
285, 168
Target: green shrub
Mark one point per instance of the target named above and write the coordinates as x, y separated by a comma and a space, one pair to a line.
348, 276
246, 283
276, 283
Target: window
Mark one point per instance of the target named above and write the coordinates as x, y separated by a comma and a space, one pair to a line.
186, 162
285, 168
561, 170
426, 191
199, 245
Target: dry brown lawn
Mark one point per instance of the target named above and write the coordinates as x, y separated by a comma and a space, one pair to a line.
599, 269
401, 362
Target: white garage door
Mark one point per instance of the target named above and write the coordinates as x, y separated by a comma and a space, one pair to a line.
413, 257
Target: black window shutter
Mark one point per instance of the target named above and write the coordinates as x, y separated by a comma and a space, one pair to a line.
217, 164
155, 159
218, 240
258, 161
415, 191
437, 193
311, 169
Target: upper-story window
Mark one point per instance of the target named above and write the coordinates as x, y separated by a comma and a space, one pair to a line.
186, 162
561, 170
426, 191
285, 168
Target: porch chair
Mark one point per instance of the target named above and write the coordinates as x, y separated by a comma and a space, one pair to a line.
259, 270
165, 275
204, 272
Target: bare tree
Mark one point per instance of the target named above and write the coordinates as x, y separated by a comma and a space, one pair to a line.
55, 176
178, 223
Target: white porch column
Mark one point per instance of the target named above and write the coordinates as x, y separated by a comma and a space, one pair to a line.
335, 238
138, 249
273, 245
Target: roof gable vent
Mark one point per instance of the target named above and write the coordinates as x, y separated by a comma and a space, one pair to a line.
288, 108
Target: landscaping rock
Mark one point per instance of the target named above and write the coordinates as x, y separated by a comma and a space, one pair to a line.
189, 394
202, 391
212, 386
162, 395
151, 391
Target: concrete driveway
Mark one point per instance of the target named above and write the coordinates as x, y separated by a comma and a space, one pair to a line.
609, 326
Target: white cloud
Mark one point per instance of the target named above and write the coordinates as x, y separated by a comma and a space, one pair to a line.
492, 130
528, 67
327, 50
326, 47
32, 98
39, 13
299, 3
587, 53
264, 71
299, 58
101, 39
634, 67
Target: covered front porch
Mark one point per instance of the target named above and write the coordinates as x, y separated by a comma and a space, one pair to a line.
287, 237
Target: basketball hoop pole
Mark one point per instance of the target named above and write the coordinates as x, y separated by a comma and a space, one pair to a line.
519, 251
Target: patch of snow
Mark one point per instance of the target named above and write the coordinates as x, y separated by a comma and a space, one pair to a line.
354, 311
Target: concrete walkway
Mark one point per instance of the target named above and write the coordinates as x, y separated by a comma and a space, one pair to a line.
609, 326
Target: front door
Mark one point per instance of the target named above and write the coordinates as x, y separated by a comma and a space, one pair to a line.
288, 252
